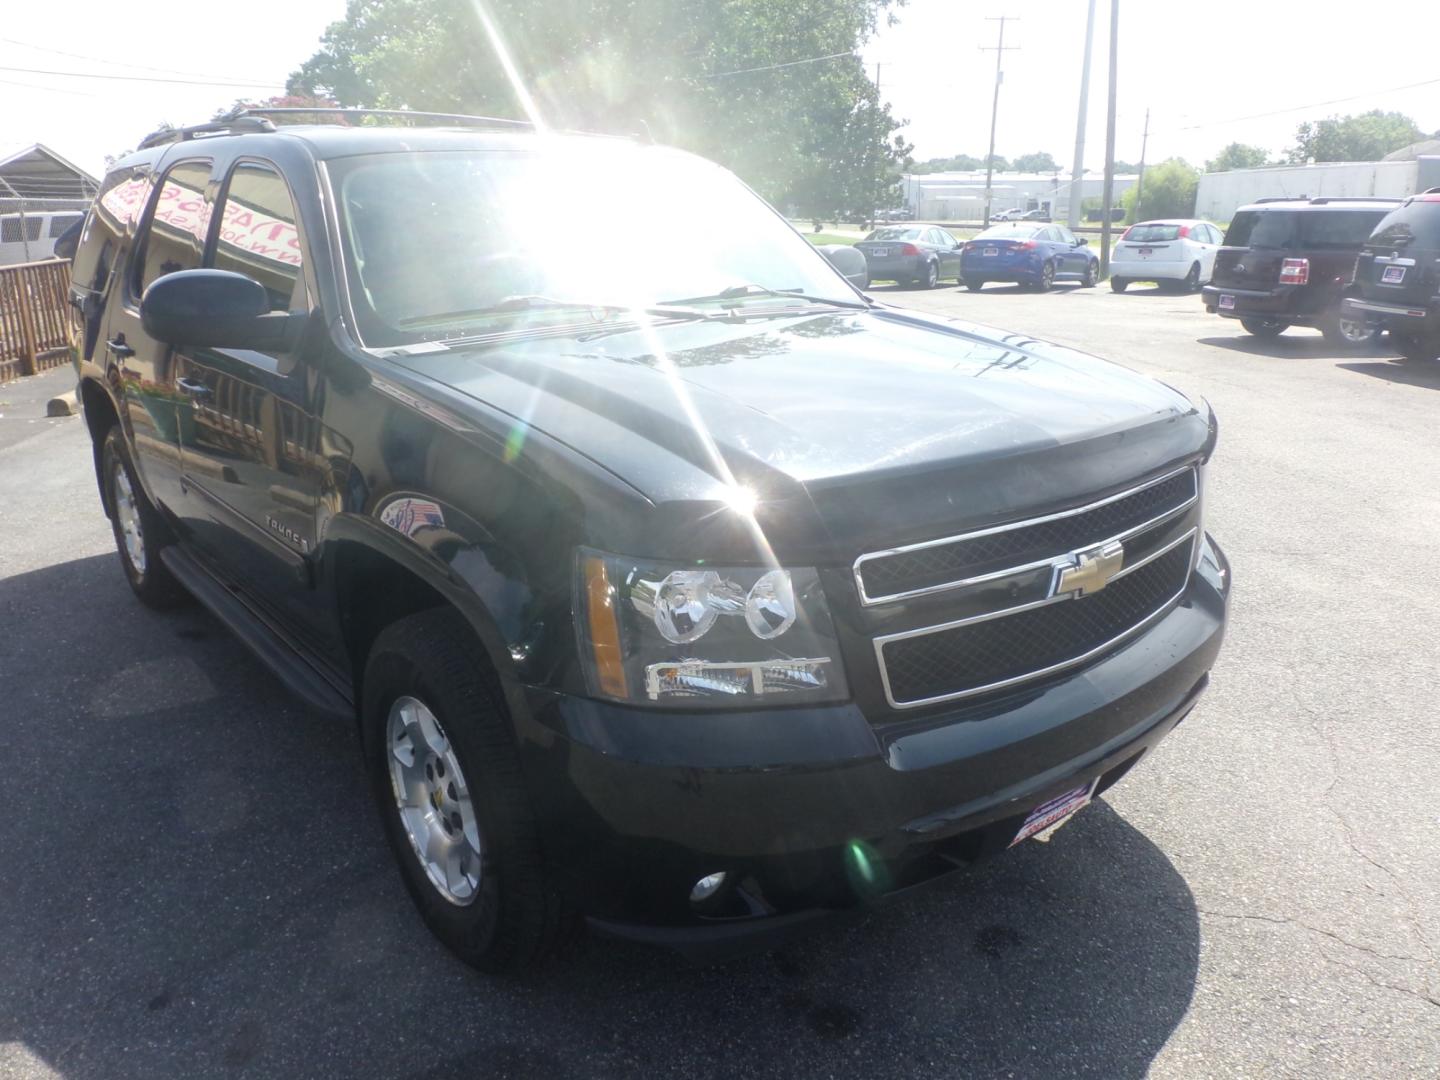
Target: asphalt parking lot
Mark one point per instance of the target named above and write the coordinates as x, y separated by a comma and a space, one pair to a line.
193, 883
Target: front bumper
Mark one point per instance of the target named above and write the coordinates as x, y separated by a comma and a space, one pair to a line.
815, 810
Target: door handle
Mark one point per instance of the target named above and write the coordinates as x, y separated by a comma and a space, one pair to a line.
117, 346
192, 388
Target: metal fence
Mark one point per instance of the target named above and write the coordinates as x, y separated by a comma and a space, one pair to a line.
34, 317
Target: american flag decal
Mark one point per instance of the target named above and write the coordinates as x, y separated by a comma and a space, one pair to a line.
409, 515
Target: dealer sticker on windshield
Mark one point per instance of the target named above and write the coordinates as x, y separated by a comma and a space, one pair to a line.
1227, 302
1050, 814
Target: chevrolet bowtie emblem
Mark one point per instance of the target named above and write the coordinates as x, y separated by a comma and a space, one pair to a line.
1091, 570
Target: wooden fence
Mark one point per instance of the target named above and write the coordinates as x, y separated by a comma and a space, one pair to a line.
34, 317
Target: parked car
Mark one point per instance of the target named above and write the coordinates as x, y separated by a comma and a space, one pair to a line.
1012, 214
31, 237
1037, 256
1397, 277
911, 255
1288, 262
697, 596
849, 262
899, 213
1177, 252
1040, 213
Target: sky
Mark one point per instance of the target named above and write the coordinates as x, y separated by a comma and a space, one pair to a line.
1199, 68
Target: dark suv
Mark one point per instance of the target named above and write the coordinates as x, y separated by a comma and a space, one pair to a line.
1397, 277
1288, 262
688, 591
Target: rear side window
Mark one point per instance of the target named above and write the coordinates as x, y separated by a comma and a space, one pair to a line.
1313, 230
1417, 224
175, 239
258, 234
1338, 230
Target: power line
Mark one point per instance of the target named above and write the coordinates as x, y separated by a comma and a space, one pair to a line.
140, 78
1311, 105
48, 89
777, 67
101, 59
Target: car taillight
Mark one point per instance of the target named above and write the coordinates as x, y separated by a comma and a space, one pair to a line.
1184, 231
909, 249
1295, 272
970, 245
1028, 245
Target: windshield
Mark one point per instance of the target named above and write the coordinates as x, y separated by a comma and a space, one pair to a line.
1014, 232
1150, 234
435, 241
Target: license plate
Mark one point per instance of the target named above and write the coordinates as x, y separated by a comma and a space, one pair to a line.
1227, 302
992, 251
1146, 251
1049, 815
1393, 275
879, 253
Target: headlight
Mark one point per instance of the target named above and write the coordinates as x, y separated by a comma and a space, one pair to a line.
705, 636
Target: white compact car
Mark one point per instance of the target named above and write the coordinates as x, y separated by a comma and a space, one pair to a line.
1180, 252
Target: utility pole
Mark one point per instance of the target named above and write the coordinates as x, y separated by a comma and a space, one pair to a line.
880, 161
1109, 195
1140, 182
1077, 173
1000, 51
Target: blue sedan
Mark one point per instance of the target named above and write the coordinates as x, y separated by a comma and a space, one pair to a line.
1034, 255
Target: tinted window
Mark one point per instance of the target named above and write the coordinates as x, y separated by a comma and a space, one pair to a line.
895, 234
116, 209
1319, 230
1339, 230
1257, 228
1152, 234
175, 238
1416, 224
1009, 232
258, 236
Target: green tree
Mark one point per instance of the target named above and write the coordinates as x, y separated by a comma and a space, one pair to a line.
1238, 156
284, 101
958, 163
1169, 191
1034, 163
717, 78
1367, 136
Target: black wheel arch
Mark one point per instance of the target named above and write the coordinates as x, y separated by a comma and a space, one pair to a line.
97, 405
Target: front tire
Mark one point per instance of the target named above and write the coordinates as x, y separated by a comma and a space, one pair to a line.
140, 532
446, 778
1264, 328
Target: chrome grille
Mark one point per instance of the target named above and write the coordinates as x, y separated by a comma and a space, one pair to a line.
956, 561
992, 651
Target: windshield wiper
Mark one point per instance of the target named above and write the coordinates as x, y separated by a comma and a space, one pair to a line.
739, 292
533, 302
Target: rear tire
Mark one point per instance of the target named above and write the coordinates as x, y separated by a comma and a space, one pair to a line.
974, 284
931, 276
1047, 278
1417, 348
1119, 284
141, 534
1264, 328
1352, 333
502, 912
1192, 279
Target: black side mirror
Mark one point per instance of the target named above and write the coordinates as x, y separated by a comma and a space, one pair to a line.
1082, 241
218, 309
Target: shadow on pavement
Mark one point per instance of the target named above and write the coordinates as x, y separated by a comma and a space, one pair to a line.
195, 882
1296, 345
1400, 371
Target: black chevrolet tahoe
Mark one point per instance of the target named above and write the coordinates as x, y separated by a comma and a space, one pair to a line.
673, 585
1397, 277
1289, 262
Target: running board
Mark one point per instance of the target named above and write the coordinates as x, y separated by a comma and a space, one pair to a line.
301, 678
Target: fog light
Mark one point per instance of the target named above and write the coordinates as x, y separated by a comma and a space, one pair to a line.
707, 887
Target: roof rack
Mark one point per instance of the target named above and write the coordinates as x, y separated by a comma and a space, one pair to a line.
252, 121
463, 119
232, 125
1282, 198
1353, 198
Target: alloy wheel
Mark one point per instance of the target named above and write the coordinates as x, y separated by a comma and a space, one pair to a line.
127, 515
434, 801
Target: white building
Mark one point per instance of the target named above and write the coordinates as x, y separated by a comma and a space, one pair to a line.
960, 196
1221, 194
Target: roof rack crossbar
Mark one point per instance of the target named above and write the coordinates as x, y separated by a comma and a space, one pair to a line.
234, 125
456, 118
1354, 198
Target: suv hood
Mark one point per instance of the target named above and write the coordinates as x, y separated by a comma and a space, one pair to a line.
855, 410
